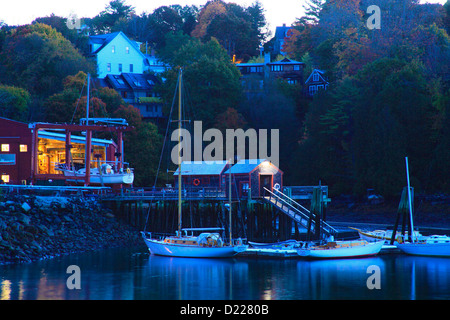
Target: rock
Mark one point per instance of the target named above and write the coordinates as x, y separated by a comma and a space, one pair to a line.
26, 207
23, 218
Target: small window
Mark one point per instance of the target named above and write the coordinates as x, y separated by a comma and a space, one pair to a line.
23, 148
127, 50
5, 178
315, 77
108, 67
131, 68
113, 49
7, 159
5, 147
120, 67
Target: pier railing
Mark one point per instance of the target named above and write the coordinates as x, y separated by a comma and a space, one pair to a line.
171, 193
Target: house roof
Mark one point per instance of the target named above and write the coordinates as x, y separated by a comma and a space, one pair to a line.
197, 168
133, 81
286, 61
105, 39
320, 73
245, 166
281, 31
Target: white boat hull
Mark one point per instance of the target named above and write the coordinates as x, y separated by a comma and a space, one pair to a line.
369, 249
159, 247
426, 249
114, 178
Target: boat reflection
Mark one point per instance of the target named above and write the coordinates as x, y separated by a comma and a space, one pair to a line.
191, 278
127, 274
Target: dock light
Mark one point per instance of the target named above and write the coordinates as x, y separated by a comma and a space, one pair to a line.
266, 164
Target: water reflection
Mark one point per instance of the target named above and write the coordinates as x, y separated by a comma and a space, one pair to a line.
133, 274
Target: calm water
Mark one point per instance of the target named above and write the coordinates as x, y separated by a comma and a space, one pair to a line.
134, 274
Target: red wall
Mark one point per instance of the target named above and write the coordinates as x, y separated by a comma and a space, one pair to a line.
16, 133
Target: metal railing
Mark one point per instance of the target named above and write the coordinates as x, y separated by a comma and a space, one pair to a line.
300, 214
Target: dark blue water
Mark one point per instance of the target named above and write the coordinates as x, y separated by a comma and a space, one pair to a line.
127, 274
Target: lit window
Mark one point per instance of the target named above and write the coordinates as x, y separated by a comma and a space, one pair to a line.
113, 49
127, 49
5, 178
23, 148
5, 147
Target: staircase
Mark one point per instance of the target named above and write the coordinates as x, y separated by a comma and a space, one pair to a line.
297, 212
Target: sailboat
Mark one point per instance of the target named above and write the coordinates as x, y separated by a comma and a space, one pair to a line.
208, 244
435, 245
105, 173
342, 249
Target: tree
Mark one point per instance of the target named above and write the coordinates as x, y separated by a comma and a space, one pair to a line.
142, 145
239, 30
210, 79
77, 38
164, 20
38, 58
14, 103
112, 18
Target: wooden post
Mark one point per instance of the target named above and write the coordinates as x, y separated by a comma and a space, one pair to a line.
403, 209
88, 147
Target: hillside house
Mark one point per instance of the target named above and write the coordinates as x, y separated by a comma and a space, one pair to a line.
254, 75
136, 89
316, 81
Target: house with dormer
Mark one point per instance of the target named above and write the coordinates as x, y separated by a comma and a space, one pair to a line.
115, 53
316, 81
123, 67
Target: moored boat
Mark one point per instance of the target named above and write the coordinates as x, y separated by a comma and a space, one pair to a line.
276, 245
206, 245
106, 175
435, 245
342, 249
182, 244
385, 235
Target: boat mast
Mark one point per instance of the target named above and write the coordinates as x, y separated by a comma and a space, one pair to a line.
229, 203
179, 151
409, 200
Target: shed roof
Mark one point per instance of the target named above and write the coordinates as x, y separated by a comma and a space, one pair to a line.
73, 138
196, 168
245, 166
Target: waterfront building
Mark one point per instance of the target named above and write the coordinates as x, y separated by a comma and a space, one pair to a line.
30, 153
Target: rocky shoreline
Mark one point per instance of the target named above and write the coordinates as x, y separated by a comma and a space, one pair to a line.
38, 227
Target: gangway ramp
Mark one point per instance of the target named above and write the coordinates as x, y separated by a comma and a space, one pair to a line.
297, 212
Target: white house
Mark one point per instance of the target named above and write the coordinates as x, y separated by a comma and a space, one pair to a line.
116, 53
